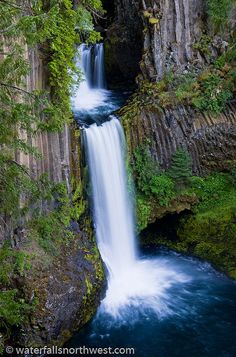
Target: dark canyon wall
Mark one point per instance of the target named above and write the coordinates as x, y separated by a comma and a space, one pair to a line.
123, 43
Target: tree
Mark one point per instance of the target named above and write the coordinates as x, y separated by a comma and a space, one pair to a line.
180, 169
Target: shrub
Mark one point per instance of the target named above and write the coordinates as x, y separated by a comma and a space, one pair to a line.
162, 187
180, 168
143, 212
144, 168
218, 12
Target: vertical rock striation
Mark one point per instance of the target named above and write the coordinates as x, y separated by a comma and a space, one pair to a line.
55, 147
211, 140
171, 29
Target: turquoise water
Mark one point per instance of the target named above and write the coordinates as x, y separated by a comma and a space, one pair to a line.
200, 319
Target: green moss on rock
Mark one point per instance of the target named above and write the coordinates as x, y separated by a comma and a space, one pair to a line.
212, 237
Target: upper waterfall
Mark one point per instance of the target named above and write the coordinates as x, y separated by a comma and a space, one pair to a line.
91, 63
92, 92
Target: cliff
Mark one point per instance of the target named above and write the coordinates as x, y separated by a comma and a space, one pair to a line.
210, 139
185, 99
176, 37
54, 147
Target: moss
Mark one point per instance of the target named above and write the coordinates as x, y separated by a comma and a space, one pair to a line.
143, 212
207, 91
203, 45
149, 210
95, 258
147, 14
212, 237
153, 21
210, 231
89, 286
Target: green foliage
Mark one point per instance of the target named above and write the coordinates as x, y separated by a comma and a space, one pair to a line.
12, 263
180, 168
145, 168
218, 11
149, 178
186, 88
211, 235
54, 28
227, 58
210, 231
213, 190
213, 95
12, 308
203, 45
154, 186
143, 212
208, 90
162, 188
51, 230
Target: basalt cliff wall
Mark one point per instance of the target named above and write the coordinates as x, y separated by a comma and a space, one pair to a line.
165, 35
210, 139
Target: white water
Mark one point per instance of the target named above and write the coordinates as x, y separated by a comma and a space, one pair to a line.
92, 91
132, 281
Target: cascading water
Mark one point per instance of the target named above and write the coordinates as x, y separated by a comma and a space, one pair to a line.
130, 280
153, 303
92, 65
112, 211
92, 89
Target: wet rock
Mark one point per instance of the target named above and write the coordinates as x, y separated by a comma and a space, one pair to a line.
66, 293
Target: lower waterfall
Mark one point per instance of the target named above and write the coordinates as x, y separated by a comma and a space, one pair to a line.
131, 280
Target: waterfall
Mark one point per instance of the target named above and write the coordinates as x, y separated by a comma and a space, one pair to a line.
99, 70
132, 281
92, 65
92, 91
153, 302
112, 208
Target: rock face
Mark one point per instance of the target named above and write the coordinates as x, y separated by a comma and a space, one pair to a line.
54, 147
68, 292
158, 34
211, 140
171, 29
171, 39
161, 35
